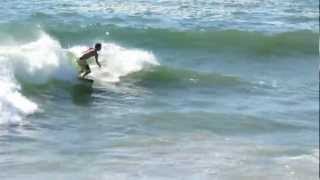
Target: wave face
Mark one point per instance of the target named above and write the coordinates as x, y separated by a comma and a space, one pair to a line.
164, 77
239, 42
304, 42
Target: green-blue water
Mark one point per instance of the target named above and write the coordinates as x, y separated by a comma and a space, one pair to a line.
187, 90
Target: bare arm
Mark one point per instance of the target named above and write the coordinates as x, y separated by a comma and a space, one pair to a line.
96, 56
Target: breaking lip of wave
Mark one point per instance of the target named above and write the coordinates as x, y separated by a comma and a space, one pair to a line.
33, 62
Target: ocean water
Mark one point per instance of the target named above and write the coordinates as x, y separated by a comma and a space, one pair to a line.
188, 89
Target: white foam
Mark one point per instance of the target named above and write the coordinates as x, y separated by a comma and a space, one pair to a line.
38, 61
13, 105
35, 62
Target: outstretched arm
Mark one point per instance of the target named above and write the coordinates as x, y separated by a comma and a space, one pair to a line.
96, 56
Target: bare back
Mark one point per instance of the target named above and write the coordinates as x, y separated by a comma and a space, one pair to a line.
88, 54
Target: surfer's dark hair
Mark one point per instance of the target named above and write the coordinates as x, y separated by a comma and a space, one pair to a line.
97, 46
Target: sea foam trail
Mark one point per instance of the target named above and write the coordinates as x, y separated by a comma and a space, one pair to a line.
117, 61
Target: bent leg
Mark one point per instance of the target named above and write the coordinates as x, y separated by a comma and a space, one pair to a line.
87, 71
81, 66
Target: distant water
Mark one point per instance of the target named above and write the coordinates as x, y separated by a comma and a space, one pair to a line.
205, 89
